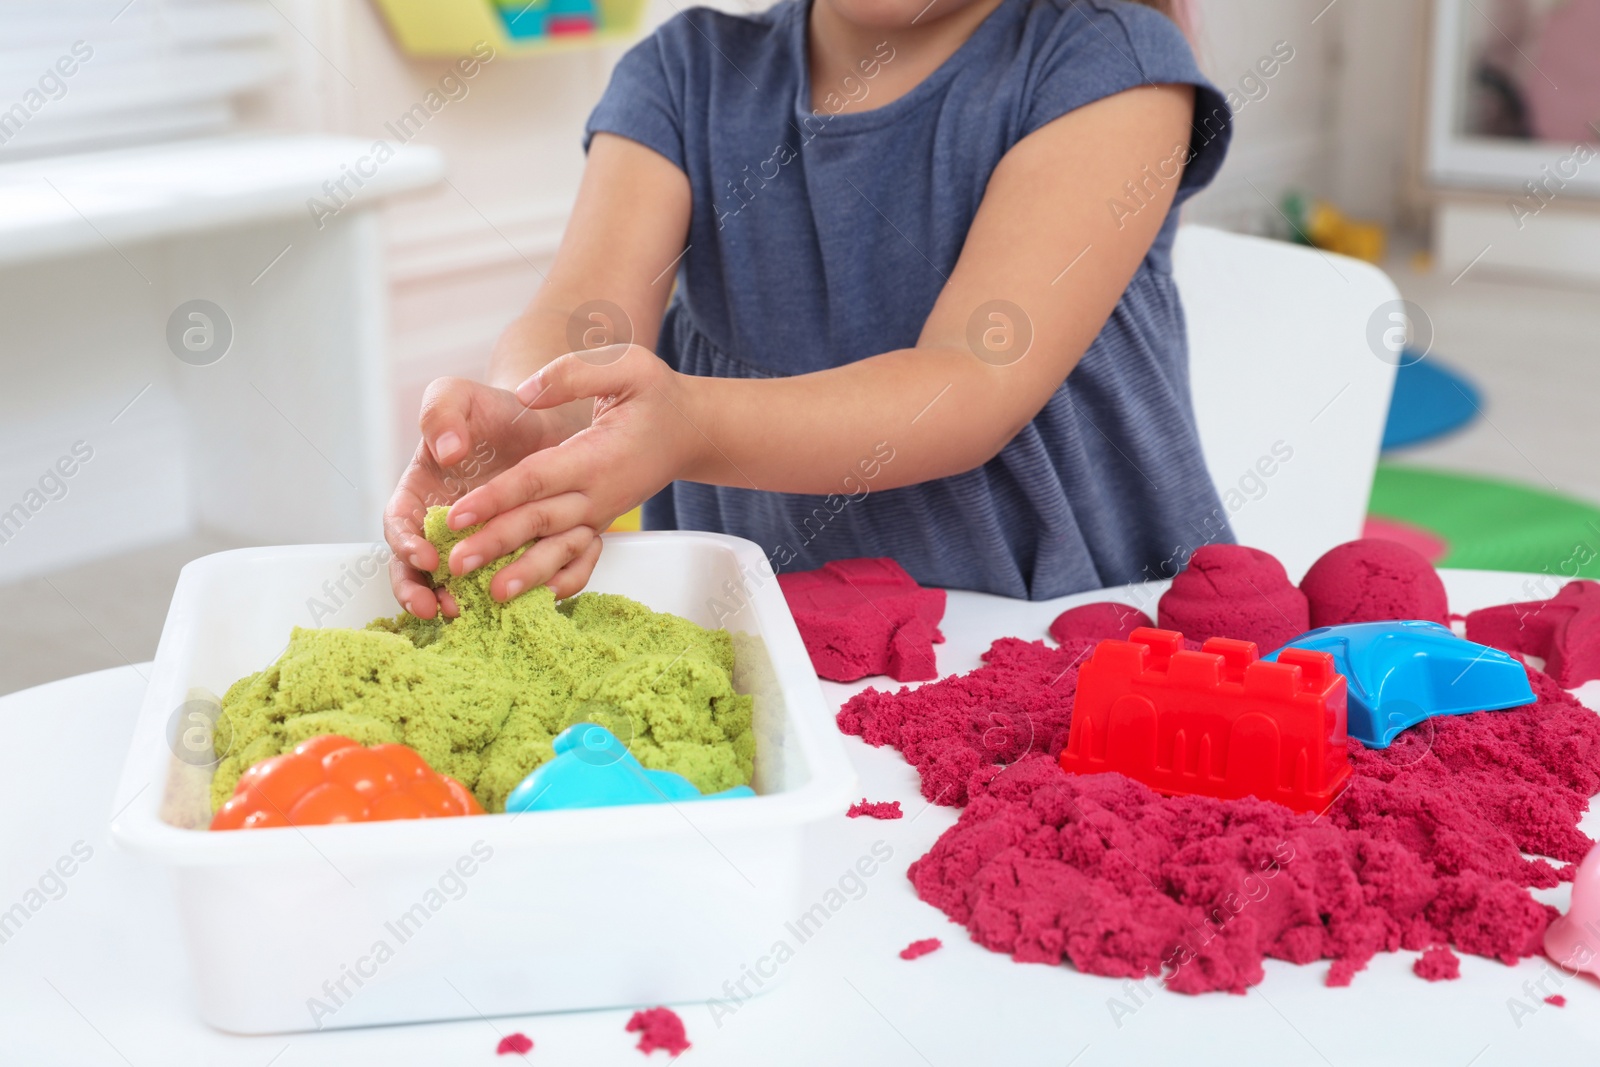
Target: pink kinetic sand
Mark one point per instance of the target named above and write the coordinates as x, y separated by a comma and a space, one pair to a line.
1099, 621
1234, 591
659, 1028
866, 616
1373, 580
514, 1045
1424, 848
1437, 964
995, 715
920, 948
1564, 631
885, 809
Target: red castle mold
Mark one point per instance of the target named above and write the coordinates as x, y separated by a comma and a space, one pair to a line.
1219, 722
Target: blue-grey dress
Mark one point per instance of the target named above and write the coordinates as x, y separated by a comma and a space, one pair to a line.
817, 239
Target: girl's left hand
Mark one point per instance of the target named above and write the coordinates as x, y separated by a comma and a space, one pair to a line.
639, 441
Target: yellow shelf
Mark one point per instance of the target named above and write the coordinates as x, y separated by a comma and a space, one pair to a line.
456, 27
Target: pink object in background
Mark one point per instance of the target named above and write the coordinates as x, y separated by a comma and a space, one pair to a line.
1573, 940
1429, 545
1565, 56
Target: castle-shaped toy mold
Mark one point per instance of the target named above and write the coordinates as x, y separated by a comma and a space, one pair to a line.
1220, 722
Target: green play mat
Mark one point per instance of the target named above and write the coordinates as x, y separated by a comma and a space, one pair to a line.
1492, 525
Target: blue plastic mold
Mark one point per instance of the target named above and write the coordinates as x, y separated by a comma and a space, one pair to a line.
592, 769
1399, 673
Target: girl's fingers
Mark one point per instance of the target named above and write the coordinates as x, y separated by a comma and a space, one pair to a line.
570, 580
446, 407
511, 530
540, 563
412, 555
574, 376
404, 535
413, 561
544, 474
413, 595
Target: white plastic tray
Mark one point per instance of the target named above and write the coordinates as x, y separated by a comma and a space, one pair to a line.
337, 926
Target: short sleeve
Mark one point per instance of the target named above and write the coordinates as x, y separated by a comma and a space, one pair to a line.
1104, 47
639, 103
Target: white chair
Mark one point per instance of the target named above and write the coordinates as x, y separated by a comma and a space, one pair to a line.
1289, 392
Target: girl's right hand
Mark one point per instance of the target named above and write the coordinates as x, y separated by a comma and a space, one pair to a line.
470, 433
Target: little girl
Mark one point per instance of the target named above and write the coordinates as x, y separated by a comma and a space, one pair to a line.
856, 278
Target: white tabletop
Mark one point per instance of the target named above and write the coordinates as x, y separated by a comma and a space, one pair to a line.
98, 975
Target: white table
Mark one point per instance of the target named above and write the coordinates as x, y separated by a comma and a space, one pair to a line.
98, 976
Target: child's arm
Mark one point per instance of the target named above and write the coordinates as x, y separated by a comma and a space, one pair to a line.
627, 230
627, 226
1044, 239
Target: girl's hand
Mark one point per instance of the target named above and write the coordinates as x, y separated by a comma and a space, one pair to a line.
639, 440
470, 432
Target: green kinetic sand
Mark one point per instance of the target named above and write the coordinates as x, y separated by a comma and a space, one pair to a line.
480, 697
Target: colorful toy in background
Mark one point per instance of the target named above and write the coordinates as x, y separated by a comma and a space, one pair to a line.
331, 779
592, 769
1321, 225
509, 27
526, 19
1425, 543
523, 19
1489, 523
1573, 940
1400, 673
571, 17
1429, 401
1219, 722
